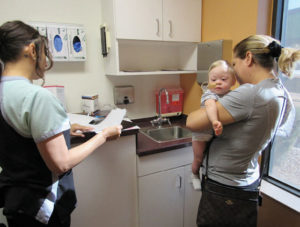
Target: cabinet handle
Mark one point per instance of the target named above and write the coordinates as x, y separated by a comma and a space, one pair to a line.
171, 28
178, 181
157, 23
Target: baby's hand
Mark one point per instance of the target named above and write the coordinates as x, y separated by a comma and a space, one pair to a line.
218, 127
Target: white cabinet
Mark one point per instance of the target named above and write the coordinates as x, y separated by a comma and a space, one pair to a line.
191, 199
106, 186
138, 19
116, 188
161, 199
149, 37
165, 193
171, 20
182, 20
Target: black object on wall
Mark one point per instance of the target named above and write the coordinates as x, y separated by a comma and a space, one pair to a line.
103, 41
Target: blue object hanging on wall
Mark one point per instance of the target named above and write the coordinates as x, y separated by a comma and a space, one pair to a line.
77, 44
58, 44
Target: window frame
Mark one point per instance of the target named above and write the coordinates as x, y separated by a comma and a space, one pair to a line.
277, 24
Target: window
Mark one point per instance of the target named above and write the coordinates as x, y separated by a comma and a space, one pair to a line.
284, 160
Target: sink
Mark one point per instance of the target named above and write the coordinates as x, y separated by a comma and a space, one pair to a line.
167, 134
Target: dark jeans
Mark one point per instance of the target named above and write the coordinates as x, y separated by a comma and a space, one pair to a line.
23, 220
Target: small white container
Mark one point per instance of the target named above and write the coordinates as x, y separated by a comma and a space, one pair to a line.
90, 103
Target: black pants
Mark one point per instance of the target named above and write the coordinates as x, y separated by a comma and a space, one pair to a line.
23, 220
227, 206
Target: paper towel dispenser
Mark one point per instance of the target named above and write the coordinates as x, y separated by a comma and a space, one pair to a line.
211, 51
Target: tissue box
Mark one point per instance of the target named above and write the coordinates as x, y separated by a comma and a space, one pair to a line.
90, 103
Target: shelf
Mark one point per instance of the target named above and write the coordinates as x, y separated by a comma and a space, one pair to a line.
141, 73
136, 58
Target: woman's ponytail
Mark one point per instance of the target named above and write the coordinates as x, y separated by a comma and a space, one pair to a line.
287, 60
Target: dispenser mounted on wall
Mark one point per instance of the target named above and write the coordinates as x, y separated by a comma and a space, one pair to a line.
105, 40
58, 42
77, 43
67, 42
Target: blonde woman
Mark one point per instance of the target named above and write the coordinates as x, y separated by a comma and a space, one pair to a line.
250, 115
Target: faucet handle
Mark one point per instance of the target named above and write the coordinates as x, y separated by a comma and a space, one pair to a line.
169, 122
159, 121
155, 121
165, 119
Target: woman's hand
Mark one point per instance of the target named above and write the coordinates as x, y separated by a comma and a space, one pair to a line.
113, 132
78, 130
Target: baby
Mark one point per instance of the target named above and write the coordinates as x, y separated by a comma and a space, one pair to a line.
221, 78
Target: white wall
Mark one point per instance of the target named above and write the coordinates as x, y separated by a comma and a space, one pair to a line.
86, 77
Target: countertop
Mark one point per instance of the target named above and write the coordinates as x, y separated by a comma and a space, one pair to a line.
145, 145
88, 135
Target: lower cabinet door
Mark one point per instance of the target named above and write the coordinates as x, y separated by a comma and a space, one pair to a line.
191, 199
161, 199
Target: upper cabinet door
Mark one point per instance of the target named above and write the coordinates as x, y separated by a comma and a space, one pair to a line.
182, 20
138, 19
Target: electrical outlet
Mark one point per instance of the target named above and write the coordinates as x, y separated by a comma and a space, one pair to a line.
123, 95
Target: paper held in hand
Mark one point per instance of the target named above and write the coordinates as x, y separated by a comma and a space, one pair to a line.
115, 117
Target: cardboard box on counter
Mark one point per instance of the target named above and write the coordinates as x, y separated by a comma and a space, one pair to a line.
90, 103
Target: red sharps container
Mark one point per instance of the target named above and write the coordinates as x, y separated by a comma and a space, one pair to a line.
175, 106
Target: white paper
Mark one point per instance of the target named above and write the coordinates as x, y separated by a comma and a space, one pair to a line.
115, 117
80, 119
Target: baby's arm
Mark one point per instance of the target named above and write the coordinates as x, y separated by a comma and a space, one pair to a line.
212, 113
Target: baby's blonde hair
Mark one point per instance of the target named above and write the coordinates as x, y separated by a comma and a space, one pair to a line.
224, 63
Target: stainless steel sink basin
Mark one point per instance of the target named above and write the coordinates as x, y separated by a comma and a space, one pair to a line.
167, 134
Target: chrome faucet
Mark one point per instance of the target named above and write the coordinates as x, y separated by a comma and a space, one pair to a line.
160, 120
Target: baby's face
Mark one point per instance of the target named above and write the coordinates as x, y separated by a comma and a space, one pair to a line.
221, 80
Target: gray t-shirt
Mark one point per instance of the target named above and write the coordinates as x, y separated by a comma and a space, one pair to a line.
209, 95
256, 109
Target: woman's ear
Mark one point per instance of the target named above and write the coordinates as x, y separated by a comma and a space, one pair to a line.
29, 51
249, 58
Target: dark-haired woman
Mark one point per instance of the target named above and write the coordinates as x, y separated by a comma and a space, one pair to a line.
36, 181
250, 114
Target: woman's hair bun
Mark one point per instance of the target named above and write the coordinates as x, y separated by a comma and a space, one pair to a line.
275, 49
2, 36
2, 43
